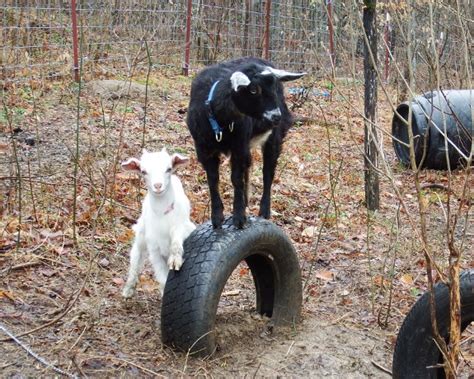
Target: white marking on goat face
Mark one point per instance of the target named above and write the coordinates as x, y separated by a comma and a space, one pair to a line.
239, 79
272, 115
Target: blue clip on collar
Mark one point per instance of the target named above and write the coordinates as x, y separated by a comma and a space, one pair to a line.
210, 115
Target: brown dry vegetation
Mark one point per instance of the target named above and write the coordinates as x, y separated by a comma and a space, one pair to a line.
361, 273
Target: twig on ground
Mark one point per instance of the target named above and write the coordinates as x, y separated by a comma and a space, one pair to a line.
191, 348
334, 322
435, 186
34, 355
147, 370
21, 265
256, 371
74, 362
381, 368
289, 349
78, 338
66, 311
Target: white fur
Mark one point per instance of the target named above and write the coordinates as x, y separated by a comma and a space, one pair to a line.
165, 220
259, 141
239, 79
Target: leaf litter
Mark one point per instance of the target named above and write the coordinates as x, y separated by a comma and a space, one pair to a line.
347, 269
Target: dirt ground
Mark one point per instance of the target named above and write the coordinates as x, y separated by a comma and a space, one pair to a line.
361, 272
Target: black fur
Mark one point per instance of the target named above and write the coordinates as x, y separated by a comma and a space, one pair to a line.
245, 110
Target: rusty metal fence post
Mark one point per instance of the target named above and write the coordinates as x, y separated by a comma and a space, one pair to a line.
75, 47
187, 46
266, 45
331, 33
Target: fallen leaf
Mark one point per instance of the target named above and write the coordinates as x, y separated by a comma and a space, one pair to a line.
7, 294
104, 262
46, 233
3, 147
310, 231
126, 236
127, 175
325, 275
48, 272
380, 281
406, 279
148, 285
118, 281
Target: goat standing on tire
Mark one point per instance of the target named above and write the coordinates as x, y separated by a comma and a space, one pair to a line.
165, 220
235, 106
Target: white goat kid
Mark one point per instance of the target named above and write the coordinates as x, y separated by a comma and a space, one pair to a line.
165, 220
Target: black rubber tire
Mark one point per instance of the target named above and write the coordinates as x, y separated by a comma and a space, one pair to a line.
191, 296
415, 349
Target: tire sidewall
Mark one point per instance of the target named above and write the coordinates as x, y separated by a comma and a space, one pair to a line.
230, 247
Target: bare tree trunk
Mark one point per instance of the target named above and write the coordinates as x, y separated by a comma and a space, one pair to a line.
372, 196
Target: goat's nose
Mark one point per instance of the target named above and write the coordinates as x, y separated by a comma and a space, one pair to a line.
273, 115
158, 186
276, 118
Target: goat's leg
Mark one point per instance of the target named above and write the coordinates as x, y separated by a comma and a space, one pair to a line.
160, 268
271, 152
178, 235
211, 166
240, 166
137, 258
247, 186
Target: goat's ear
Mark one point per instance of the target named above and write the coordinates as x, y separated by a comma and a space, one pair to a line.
284, 76
239, 80
178, 160
131, 164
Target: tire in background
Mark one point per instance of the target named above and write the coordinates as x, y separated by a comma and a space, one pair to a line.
191, 296
415, 349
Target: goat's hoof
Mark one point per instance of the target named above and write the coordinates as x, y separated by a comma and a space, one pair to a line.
217, 221
264, 213
175, 262
128, 292
239, 221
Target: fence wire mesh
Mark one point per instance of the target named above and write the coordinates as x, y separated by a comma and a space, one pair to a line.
36, 38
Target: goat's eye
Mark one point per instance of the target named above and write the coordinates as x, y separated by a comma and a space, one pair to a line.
253, 90
144, 172
168, 170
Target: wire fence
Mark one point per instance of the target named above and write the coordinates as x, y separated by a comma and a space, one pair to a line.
36, 38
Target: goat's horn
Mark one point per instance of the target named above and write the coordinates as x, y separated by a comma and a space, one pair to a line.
239, 79
282, 74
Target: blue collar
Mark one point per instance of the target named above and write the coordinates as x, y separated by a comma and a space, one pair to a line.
210, 115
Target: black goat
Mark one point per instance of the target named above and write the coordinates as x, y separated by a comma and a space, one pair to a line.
234, 106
